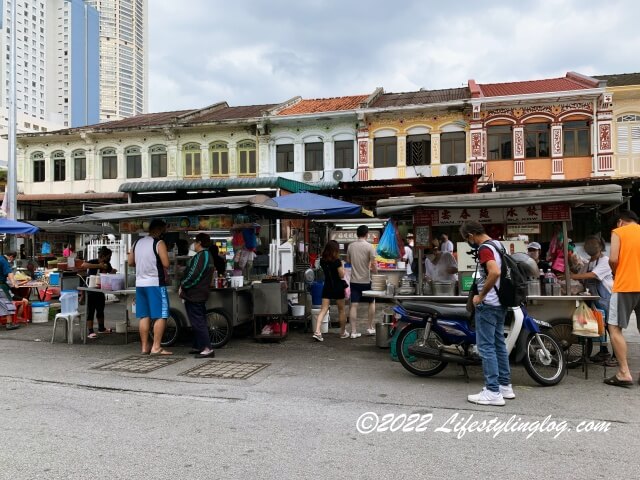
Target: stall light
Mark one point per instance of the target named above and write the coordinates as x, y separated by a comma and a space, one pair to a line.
354, 226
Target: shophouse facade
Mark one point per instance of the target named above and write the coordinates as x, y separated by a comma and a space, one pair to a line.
625, 90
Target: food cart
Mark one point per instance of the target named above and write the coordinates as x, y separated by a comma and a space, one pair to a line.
231, 306
507, 208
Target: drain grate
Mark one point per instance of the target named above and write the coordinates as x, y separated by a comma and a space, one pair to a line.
139, 364
225, 369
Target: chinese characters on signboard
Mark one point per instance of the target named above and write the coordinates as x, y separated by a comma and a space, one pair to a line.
529, 214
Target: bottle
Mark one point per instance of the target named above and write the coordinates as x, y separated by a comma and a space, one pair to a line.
542, 292
549, 281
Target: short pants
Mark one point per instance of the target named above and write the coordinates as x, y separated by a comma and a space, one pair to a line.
621, 306
356, 292
152, 302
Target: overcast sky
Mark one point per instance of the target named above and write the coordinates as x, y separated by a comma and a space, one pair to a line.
267, 51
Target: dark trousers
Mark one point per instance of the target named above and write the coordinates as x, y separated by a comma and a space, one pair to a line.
95, 306
197, 312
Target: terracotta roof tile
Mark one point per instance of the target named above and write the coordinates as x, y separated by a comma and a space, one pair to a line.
620, 79
319, 105
421, 97
143, 120
531, 86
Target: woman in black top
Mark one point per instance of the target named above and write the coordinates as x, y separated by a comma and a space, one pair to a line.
219, 263
333, 289
96, 300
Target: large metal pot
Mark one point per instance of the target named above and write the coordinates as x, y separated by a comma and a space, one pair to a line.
441, 288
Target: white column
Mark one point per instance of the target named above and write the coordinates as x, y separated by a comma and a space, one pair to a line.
145, 158
298, 156
122, 163
174, 161
205, 163
234, 168
401, 155
329, 157
263, 153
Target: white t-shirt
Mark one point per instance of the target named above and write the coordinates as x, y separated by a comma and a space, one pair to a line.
149, 268
603, 271
408, 257
446, 246
439, 271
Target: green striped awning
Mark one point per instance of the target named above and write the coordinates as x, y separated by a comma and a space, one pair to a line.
292, 186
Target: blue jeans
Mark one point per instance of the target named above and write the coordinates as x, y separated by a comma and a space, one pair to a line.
492, 346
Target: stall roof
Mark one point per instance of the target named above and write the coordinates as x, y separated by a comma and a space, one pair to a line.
58, 227
313, 205
599, 194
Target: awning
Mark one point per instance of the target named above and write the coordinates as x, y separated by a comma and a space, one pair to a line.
58, 227
14, 227
594, 195
226, 184
313, 205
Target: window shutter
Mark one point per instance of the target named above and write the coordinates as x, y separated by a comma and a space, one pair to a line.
635, 139
623, 139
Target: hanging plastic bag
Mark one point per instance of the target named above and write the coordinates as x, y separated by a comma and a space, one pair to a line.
388, 247
585, 323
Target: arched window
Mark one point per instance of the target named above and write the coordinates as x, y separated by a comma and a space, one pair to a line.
59, 166
628, 127
343, 153
247, 158
453, 147
418, 149
109, 163
500, 141
37, 159
385, 152
134, 162
576, 139
79, 165
191, 153
536, 137
158, 161
219, 159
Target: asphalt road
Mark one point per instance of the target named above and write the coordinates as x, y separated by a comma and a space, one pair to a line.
297, 418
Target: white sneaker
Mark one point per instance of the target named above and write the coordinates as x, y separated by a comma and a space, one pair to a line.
507, 392
487, 397
345, 335
371, 331
356, 335
318, 337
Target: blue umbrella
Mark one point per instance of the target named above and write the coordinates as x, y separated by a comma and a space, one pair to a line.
314, 205
14, 227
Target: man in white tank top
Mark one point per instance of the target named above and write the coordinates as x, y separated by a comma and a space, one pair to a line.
150, 257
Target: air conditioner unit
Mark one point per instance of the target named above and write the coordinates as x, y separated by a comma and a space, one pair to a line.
311, 176
455, 169
342, 175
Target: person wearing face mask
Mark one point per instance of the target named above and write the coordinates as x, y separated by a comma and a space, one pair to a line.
598, 278
490, 316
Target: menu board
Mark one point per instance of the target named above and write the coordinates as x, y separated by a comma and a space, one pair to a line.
180, 224
510, 215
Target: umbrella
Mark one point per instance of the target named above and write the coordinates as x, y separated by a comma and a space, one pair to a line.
314, 205
14, 227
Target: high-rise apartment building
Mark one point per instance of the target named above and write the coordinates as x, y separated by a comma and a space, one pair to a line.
57, 65
123, 57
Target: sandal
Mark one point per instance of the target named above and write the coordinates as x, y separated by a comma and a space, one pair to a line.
611, 362
92, 335
162, 351
345, 335
106, 330
318, 337
616, 382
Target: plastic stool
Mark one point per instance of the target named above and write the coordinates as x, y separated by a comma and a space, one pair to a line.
68, 326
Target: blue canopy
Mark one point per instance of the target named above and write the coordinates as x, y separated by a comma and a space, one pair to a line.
314, 205
13, 227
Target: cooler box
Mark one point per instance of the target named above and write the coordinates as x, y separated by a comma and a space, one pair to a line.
69, 301
316, 293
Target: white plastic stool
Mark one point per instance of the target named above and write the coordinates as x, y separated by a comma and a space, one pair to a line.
68, 326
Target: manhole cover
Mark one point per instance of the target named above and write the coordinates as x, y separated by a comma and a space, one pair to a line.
139, 363
225, 369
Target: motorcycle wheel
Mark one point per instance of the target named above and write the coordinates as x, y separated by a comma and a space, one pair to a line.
545, 371
563, 331
423, 367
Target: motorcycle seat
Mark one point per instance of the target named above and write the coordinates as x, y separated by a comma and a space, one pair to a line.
439, 309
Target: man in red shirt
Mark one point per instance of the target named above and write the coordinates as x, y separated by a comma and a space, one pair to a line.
489, 316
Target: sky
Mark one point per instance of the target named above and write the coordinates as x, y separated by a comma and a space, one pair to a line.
267, 51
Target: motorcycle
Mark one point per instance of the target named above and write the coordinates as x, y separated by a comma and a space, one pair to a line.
438, 334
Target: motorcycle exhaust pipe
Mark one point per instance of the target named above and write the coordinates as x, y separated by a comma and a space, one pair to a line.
435, 354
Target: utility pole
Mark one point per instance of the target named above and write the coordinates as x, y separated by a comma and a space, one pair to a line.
11, 194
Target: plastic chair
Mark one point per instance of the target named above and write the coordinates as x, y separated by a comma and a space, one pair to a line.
68, 326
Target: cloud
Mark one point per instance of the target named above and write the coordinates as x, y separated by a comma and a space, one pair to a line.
247, 52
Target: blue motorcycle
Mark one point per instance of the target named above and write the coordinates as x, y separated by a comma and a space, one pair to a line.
438, 334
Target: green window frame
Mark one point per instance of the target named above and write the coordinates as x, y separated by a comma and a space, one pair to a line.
192, 160
219, 152
247, 158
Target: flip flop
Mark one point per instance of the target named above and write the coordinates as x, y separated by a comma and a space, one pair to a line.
211, 354
616, 382
92, 335
106, 330
160, 352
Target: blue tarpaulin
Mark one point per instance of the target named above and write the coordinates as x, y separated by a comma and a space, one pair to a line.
314, 205
13, 227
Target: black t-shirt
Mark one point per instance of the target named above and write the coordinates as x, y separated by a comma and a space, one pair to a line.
331, 278
96, 271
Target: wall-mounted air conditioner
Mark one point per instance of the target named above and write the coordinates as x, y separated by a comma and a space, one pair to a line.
342, 175
311, 176
453, 169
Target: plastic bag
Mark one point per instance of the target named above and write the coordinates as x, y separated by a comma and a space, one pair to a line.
388, 246
585, 323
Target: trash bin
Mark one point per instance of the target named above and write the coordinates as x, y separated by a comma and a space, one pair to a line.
383, 334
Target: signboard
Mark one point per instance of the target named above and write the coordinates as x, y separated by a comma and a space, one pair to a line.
422, 236
466, 263
350, 236
523, 229
180, 224
510, 215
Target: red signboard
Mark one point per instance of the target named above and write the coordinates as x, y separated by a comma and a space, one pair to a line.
556, 213
423, 216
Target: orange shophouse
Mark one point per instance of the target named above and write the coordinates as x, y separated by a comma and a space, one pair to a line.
541, 130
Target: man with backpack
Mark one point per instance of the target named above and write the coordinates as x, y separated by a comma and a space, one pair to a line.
490, 315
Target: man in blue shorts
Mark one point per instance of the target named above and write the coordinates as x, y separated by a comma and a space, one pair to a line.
150, 257
362, 257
